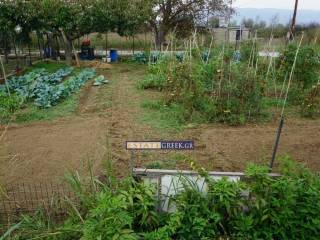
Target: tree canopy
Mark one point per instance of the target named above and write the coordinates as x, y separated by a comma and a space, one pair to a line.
182, 16
71, 18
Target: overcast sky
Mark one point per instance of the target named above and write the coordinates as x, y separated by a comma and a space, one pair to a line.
283, 4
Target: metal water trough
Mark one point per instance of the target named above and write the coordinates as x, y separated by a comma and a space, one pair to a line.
169, 182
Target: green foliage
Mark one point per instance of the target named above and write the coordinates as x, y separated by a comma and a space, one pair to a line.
311, 104
231, 86
256, 207
8, 105
220, 90
304, 89
163, 116
24, 85
46, 89
307, 65
151, 82
33, 113
109, 219
157, 74
34, 83
249, 51
140, 58
48, 95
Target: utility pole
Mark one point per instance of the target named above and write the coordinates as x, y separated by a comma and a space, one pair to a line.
293, 22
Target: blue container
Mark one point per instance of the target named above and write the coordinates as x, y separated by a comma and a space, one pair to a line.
114, 55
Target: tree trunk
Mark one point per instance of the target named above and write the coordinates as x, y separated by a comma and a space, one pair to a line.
68, 51
6, 52
160, 37
17, 57
29, 50
39, 45
58, 47
106, 37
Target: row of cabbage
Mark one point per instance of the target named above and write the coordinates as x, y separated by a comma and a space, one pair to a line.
46, 89
49, 95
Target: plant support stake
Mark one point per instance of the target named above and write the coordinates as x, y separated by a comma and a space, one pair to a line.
275, 148
283, 106
4, 75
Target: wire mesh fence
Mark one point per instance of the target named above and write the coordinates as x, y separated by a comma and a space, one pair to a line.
16, 200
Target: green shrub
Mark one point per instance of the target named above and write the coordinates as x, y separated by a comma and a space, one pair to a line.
152, 81
8, 105
210, 92
310, 106
109, 219
256, 207
306, 68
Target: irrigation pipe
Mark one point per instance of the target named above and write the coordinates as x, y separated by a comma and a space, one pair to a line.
275, 148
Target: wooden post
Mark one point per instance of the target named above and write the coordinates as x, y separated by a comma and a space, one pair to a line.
132, 163
29, 50
4, 75
106, 44
293, 22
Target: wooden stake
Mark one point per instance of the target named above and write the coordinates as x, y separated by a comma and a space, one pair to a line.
4, 76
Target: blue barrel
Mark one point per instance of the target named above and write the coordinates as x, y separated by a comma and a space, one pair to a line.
114, 55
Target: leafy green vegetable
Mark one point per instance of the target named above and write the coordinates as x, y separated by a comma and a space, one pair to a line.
48, 95
98, 81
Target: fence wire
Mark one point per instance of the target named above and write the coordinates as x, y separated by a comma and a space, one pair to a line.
16, 200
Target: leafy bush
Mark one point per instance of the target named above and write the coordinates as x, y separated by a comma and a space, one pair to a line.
109, 219
307, 65
156, 76
304, 90
311, 104
257, 207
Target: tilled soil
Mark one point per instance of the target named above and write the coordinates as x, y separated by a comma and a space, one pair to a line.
231, 149
45, 151
107, 117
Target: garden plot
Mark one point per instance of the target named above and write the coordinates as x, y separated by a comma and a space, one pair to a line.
114, 113
46, 89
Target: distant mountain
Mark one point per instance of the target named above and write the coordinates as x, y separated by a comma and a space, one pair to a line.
283, 15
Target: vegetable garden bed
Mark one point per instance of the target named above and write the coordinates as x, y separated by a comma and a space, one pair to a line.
43, 88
